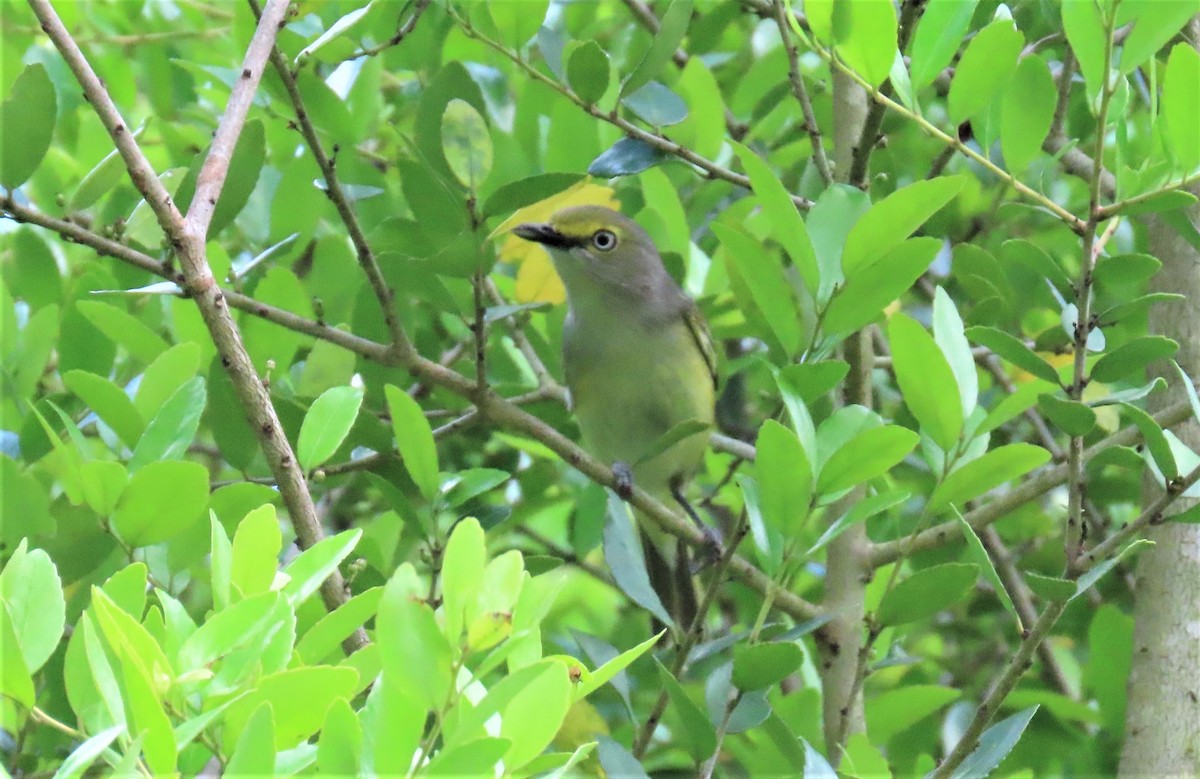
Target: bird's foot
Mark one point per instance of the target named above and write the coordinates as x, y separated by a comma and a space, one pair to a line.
623, 480
710, 550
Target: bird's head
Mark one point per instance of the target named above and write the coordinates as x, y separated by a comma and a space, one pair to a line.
596, 249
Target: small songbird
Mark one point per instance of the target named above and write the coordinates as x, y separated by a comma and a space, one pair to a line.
639, 361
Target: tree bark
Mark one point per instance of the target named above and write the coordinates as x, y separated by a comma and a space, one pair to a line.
1162, 720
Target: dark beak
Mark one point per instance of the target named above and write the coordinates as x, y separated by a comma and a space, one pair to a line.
545, 235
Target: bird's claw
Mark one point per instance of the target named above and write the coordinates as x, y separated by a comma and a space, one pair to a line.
623, 480
710, 550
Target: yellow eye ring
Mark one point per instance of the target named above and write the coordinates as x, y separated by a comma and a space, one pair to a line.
604, 240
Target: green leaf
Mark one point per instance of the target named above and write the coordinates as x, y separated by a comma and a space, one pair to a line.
1169, 200
1028, 110
697, 733
462, 575
392, 724
979, 555
830, 221
471, 483
868, 455
1136, 308
26, 125
534, 715
1189, 389
623, 554
616, 665
414, 439
254, 754
308, 570
109, 402
927, 592
786, 225
161, 501
1110, 636
1000, 465
317, 686
1154, 23
1084, 582
327, 424
242, 624
256, 545
656, 105
86, 753
869, 46
172, 429
1132, 357
626, 157
1050, 588
926, 381
517, 22
474, 758
1155, 441
1131, 394
587, 71
812, 380
416, 656
939, 34
1084, 27
340, 744
527, 191
107, 174
1013, 350
864, 295
763, 276
323, 638
785, 478
102, 481
165, 376
950, 338
862, 510
672, 28
892, 712
124, 328
985, 67
1070, 416
998, 740
893, 219
758, 666
15, 681
32, 595
466, 143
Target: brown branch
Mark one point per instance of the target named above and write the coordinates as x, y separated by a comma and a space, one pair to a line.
211, 302
213, 172
820, 160
366, 256
1039, 484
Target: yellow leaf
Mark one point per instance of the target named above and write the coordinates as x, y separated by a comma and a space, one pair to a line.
536, 279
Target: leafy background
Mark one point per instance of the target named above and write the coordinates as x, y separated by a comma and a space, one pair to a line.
900, 322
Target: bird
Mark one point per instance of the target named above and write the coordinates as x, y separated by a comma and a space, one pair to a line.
639, 361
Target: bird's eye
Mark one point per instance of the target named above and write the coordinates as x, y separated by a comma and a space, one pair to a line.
604, 240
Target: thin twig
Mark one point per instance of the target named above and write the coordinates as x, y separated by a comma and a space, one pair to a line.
820, 160
402, 32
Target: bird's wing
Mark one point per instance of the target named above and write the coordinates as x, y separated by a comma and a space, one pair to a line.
703, 338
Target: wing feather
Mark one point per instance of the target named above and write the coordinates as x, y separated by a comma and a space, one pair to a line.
703, 338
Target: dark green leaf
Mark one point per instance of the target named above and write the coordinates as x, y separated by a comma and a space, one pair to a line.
587, 71
617, 761
26, 125
1070, 416
1125, 269
527, 191
1155, 441
1093, 575
890, 713
985, 67
656, 105
698, 734
757, 666
1013, 350
979, 555
763, 276
927, 592
862, 510
812, 380
1137, 308
466, 143
623, 553
327, 424
1172, 200
1132, 357
626, 157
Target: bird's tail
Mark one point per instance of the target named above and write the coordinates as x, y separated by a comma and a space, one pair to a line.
669, 565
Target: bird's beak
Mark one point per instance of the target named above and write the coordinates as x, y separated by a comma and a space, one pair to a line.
543, 234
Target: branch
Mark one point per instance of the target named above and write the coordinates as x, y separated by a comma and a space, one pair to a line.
797, 80
363, 251
198, 281
658, 141
1039, 484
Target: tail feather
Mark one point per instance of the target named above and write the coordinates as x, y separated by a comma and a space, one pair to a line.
671, 577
